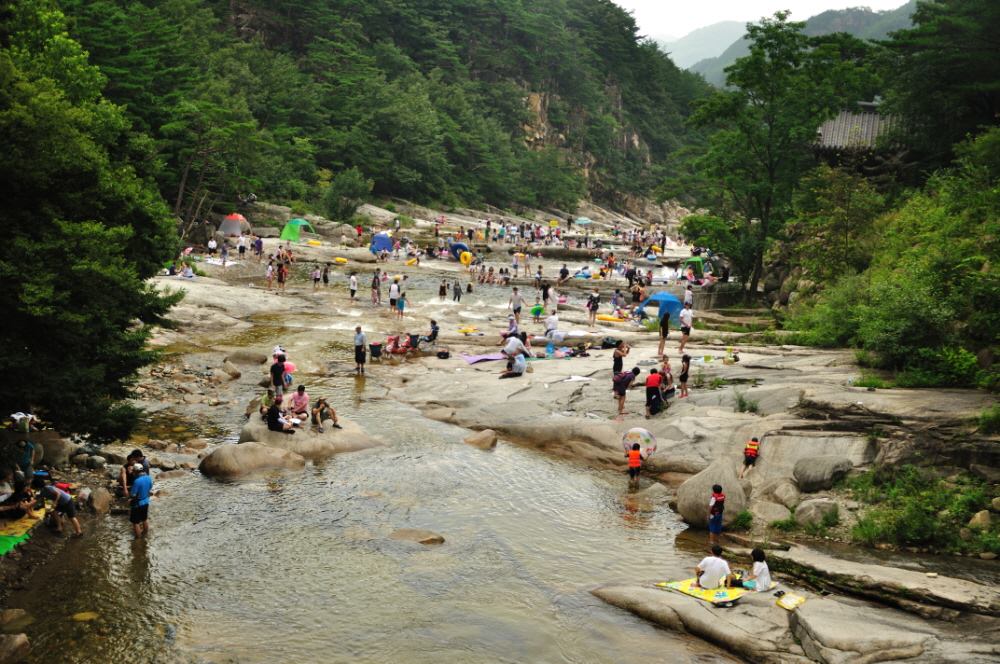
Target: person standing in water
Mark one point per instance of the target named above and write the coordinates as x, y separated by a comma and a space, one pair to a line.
360, 346
515, 303
456, 292
376, 288
138, 514
353, 286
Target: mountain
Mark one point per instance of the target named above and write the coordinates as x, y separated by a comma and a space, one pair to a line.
859, 22
707, 42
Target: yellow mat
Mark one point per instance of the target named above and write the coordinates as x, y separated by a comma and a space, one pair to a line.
21, 526
710, 595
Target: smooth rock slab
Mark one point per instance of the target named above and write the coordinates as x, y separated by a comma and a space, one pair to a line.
426, 537
233, 461
309, 442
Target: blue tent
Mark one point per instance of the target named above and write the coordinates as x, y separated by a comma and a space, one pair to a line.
381, 242
457, 248
667, 303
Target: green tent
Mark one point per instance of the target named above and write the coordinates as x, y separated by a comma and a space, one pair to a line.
696, 263
293, 229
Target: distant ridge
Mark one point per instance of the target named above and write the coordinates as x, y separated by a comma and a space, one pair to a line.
707, 42
860, 22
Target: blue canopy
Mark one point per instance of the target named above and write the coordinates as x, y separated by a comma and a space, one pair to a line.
381, 242
457, 248
667, 303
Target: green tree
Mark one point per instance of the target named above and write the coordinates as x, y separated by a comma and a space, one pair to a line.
762, 127
84, 231
944, 75
346, 191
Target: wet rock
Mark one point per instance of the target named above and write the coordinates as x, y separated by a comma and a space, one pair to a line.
162, 464
112, 456
170, 474
233, 461
811, 512
9, 616
231, 370
96, 462
79, 459
484, 440
694, 493
58, 451
980, 520
309, 442
172, 448
100, 500
156, 444
13, 648
247, 356
196, 444
426, 537
765, 512
187, 465
987, 555
820, 472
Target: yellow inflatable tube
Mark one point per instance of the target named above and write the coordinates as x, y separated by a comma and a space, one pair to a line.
610, 319
340, 260
412, 261
465, 258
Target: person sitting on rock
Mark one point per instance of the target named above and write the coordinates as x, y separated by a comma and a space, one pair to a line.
712, 571
266, 400
323, 411
432, 336
759, 577
276, 418
299, 403
18, 503
517, 352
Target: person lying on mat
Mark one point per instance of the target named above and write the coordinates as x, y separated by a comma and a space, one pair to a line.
712, 571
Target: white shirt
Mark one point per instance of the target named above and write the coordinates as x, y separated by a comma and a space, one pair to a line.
242, 242
686, 316
514, 346
689, 297
354, 282
212, 244
360, 339
551, 323
516, 300
713, 571
762, 575
394, 291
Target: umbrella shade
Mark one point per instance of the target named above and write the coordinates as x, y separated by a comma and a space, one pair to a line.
696, 263
381, 242
667, 303
235, 216
234, 227
293, 229
299, 221
583, 221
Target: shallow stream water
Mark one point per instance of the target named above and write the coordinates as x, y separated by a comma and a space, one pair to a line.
300, 568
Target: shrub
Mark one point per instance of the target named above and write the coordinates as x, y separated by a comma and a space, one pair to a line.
870, 380
743, 521
989, 419
942, 367
785, 525
745, 405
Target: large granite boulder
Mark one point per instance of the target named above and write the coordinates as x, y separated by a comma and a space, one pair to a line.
234, 461
309, 442
765, 512
693, 495
820, 472
58, 451
812, 512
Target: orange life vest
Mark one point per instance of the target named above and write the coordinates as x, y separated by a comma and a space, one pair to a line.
752, 449
720, 503
634, 458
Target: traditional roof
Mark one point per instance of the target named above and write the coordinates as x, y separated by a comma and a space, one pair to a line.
853, 131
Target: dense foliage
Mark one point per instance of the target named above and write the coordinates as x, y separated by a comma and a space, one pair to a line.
500, 102
84, 228
911, 506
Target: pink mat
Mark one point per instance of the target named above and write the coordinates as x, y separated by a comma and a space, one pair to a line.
473, 359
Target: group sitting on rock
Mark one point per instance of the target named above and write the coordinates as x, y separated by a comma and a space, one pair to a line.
286, 419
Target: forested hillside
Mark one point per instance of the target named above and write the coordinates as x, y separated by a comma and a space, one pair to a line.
537, 102
860, 22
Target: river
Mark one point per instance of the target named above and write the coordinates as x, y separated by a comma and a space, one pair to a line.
299, 568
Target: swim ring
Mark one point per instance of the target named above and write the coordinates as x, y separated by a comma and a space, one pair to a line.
465, 258
339, 260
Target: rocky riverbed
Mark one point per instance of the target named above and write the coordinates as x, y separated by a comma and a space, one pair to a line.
817, 428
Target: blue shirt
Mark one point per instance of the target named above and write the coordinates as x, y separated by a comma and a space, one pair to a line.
142, 486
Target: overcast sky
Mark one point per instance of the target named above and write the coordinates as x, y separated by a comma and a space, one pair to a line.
676, 18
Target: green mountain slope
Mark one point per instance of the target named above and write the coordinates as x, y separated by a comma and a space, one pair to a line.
707, 42
496, 101
859, 22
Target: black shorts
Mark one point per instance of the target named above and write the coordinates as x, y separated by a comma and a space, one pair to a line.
352, 293
664, 330
316, 280
67, 509
138, 513
359, 354
517, 310
685, 330
243, 250
392, 302
749, 460
683, 378
633, 472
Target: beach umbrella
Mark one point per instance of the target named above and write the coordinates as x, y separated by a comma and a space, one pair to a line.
583, 221
646, 440
235, 216
667, 303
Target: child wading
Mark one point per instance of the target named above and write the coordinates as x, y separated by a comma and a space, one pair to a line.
635, 459
716, 506
750, 454
138, 514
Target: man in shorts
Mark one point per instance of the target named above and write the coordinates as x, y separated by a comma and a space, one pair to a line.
138, 514
241, 246
687, 318
515, 303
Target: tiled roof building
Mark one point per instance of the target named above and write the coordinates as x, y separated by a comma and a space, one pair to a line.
854, 130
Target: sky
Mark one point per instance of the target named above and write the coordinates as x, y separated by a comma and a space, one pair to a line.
675, 18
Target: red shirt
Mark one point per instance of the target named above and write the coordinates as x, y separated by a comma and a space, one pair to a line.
654, 380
